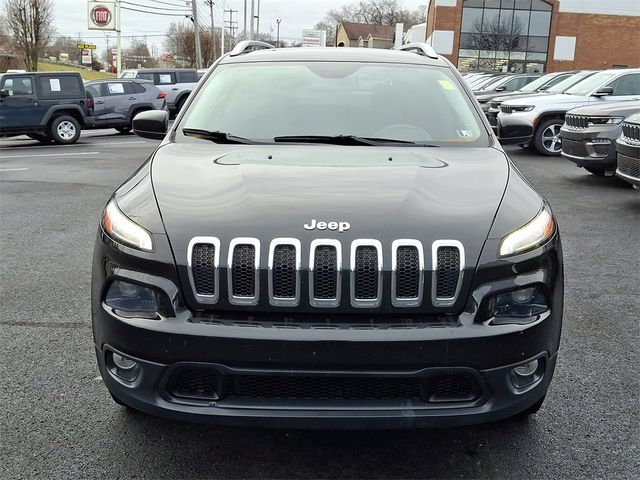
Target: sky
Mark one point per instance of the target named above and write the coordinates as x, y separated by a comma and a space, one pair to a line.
296, 15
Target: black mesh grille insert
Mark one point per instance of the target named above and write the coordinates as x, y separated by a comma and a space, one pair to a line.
448, 272
322, 388
203, 268
366, 273
452, 388
194, 382
325, 273
284, 271
629, 166
244, 271
407, 272
575, 148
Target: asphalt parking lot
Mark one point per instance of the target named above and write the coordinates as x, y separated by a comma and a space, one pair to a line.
58, 421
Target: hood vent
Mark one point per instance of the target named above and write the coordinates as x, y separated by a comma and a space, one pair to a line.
325, 271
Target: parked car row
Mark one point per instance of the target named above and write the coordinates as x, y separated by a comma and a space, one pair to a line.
57, 106
589, 117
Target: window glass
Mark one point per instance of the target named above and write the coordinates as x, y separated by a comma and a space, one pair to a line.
540, 5
115, 88
538, 82
472, 20
539, 24
473, 3
266, 100
506, 22
569, 82
145, 76
17, 86
492, 3
520, 23
626, 85
491, 21
188, 76
508, 3
60, 85
136, 87
129, 74
523, 4
537, 44
536, 56
94, 89
590, 83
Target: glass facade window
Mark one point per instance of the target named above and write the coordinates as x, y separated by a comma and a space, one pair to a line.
504, 35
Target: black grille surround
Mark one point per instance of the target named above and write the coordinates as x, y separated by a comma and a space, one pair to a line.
368, 279
203, 383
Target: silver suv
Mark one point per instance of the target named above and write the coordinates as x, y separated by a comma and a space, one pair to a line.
177, 83
537, 120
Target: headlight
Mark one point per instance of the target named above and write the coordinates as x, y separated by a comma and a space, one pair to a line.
522, 108
529, 236
119, 227
606, 120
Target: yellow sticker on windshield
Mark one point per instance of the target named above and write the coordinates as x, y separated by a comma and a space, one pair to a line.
447, 85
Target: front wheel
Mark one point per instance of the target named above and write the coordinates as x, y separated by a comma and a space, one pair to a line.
65, 130
123, 130
40, 137
547, 137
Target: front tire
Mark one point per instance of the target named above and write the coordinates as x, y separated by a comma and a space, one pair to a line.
65, 130
547, 137
123, 130
40, 137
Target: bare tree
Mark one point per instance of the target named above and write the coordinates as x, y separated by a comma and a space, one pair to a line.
31, 24
377, 12
496, 36
180, 42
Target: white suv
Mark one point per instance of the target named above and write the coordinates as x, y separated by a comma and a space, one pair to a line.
536, 121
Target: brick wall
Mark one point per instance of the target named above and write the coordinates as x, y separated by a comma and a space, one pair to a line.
446, 18
601, 40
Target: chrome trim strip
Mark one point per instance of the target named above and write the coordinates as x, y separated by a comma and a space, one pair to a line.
444, 302
406, 302
367, 302
325, 302
232, 246
280, 301
209, 299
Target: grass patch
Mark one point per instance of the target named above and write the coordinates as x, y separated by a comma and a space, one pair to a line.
86, 74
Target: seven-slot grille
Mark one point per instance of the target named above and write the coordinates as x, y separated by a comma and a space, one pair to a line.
631, 132
325, 272
576, 122
506, 108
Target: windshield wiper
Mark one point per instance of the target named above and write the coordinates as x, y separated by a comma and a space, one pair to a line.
342, 140
217, 136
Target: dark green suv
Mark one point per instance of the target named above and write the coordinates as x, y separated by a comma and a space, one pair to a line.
45, 106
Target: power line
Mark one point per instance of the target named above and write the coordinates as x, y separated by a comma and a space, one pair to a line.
164, 3
156, 13
162, 9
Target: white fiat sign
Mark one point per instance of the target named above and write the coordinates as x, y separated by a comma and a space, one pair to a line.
101, 15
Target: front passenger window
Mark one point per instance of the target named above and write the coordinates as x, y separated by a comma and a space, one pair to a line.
17, 86
626, 85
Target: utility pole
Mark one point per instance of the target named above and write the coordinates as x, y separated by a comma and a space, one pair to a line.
222, 34
278, 34
196, 32
232, 24
213, 33
244, 19
253, 17
258, 20
118, 39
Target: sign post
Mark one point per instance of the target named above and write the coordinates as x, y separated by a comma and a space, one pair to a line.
106, 16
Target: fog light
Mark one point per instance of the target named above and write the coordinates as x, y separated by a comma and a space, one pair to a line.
123, 363
525, 370
122, 367
526, 374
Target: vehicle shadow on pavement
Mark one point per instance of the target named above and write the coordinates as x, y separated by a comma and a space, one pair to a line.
208, 451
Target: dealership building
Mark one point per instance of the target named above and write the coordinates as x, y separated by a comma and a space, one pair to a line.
535, 35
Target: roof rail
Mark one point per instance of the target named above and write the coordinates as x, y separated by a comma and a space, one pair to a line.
247, 46
420, 48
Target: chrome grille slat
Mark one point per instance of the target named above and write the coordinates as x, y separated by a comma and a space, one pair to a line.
203, 259
284, 272
242, 271
325, 267
631, 133
448, 263
366, 273
407, 273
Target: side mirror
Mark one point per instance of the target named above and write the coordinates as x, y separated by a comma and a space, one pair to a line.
152, 124
4, 93
501, 88
603, 92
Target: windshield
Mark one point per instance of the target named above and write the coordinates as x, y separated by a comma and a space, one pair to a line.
410, 103
495, 84
569, 82
593, 81
537, 83
128, 74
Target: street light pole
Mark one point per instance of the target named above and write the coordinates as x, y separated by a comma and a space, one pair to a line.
278, 34
118, 39
253, 13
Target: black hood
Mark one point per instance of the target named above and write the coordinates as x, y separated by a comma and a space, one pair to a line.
266, 192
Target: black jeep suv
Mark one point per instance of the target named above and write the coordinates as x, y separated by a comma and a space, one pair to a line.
45, 106
328, 238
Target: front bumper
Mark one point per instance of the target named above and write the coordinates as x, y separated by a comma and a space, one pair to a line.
514, 129
628, 162
589, 148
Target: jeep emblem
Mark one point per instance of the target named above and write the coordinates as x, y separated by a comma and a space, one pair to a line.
339, 226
